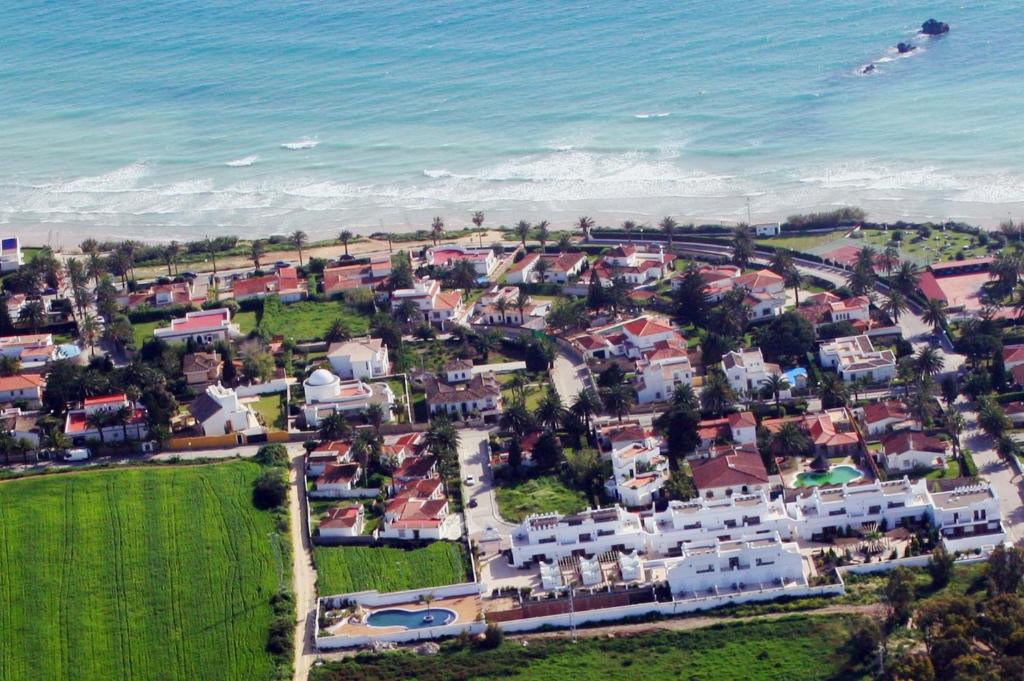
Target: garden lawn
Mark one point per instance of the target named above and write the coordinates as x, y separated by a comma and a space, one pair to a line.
138, 573
546, 494
345, 569
798, 648
143, 331
939, 246
310, 320
804, 242
271, 408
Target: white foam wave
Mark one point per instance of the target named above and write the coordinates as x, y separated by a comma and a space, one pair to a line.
243, 162
436, 173
645, 116
301, 144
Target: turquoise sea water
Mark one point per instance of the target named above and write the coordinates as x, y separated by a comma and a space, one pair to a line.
173, 119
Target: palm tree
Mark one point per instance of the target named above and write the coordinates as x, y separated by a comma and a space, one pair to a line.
98, 421
516, 418
683, 397
618, 399
668, 226
97, 268
717, 393
832, 391
90, 330
935, 314
790, 440
344, 238
211, 250
780, 263
436, 229
375, 417
478, 221
775, 385
954, 425
462, 275
541, 268
367, 448
550, 411
33, 315
169, 257
123, 417
585, 224
585, 405
256, 251
564, 243
794, 280
337, 332
742, 246
543, 233
906, 276
887, 260
407, 311
522, 230
522, 300
299, 239
517, 384
895, 304
928, 361
172, 252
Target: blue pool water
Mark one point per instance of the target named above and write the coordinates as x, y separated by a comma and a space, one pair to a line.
836, 475
410, 619
178, 119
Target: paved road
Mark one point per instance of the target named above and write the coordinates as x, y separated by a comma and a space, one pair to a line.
568, 378
303, 571
473, 462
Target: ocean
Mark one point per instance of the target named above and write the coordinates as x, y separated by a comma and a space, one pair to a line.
174, 119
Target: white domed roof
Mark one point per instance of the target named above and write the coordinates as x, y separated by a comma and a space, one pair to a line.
321, 377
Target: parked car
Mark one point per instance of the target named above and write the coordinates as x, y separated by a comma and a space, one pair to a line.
472, 503
78, 454
470, 480
189, 274
282, 263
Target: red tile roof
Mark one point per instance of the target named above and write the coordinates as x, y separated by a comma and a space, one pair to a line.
646, 327
907, 440
21, 382
741, 467
880, 411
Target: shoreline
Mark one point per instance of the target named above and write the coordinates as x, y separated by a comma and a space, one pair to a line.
66, 237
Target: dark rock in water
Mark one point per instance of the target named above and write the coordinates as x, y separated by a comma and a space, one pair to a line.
905, 47
870, 68
933, 27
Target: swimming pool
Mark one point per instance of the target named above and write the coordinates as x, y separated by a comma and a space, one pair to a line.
833, 476
411, 619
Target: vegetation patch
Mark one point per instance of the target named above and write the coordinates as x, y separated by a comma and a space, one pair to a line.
796, 648
271, 410
347, 569
310, 320
545, 494
144, 573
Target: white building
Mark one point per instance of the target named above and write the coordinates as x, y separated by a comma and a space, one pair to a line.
359, 358
109, 418
343, 522
714, 566
968, 517
879, 418
326, 394
594, 531
734, 470
444, 257
767, 229
219, 412
909, 450
820, 512
633, 265
413, 518
11, 257
855, 357
32, 350
443, 308
462, 392
202, 326
727, 518
656, 379
27, 388
747, 371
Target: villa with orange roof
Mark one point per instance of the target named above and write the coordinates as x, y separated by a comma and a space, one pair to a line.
109, 418
164, 295
284, 283
908, 450
733, 472
443, 308
202, 326
26, 388
332, 452
33, 350
558, 268
342, 522
634, 265
633, 338
326, 394
832, 432
879, 418
657, 378
445, 256
372, 275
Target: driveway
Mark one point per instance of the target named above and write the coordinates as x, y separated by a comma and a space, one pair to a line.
473, 462
568, 378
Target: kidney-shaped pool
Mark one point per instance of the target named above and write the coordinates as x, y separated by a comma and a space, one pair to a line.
411, 619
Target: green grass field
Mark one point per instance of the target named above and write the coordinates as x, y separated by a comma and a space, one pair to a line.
271, 408
139, 573
939, 246
545, 494
798, 648
309, 320
804, 242
346, 569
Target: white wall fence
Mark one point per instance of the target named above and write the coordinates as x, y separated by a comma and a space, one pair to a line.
675, 607
278, 385
913, 561
375, 599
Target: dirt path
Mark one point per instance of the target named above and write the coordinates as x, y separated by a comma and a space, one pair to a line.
875, 610
303, 573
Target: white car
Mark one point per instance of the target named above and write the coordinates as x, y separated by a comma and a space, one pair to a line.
470, 480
